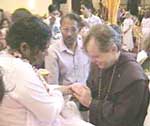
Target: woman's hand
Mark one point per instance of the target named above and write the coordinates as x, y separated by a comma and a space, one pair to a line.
82, 93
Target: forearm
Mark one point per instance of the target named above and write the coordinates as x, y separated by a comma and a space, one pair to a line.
52, 66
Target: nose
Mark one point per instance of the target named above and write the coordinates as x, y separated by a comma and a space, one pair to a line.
93, 60
69, 33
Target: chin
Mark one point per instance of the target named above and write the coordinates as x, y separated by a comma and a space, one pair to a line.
101, 67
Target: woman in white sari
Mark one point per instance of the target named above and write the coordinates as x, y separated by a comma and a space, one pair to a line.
127, 32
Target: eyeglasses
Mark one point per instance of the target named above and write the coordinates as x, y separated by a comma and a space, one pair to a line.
73, 29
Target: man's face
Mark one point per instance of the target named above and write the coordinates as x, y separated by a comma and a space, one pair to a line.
102, 59
69, 29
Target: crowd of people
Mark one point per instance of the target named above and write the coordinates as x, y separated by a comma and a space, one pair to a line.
74, 70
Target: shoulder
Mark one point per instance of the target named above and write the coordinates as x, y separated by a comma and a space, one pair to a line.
128, 67
10, 62
128, 71
55, 47
16, 71
96, 18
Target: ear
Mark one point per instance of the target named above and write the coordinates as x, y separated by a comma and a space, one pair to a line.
24, 46
24, 49
114, 48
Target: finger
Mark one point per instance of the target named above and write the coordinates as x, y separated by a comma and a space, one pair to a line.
76, 88
85, 87
76, 92
77, 96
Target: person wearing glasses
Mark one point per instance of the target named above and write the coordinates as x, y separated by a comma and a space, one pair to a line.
66, 59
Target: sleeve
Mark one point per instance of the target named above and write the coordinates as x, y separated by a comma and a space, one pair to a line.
124, 107
125, 25
93, 111
31, 93
100, 21
51, 64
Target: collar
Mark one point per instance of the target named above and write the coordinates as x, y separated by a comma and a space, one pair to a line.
63, 47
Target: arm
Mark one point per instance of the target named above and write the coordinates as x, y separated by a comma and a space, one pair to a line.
51, 64
31, 93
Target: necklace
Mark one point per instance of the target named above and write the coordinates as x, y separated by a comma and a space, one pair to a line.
109, 85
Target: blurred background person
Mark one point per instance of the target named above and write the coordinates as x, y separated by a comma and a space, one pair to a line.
87, 11
3, 30
53, 21
143, 57
20, 13
145, 24
127, 32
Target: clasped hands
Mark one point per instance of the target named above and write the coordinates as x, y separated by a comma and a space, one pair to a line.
81, 92
78, 90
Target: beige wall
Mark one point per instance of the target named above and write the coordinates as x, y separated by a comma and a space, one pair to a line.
38, 6
65, 8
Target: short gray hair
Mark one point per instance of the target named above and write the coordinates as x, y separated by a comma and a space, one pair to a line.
105, 36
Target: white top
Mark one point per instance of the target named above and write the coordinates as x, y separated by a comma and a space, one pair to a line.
93, 20
145, 24
128, 37
55, 28
27, 102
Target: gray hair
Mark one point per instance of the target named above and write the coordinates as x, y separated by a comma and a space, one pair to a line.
105, 36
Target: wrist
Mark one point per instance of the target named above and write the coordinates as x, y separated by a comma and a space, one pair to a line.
89, 103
